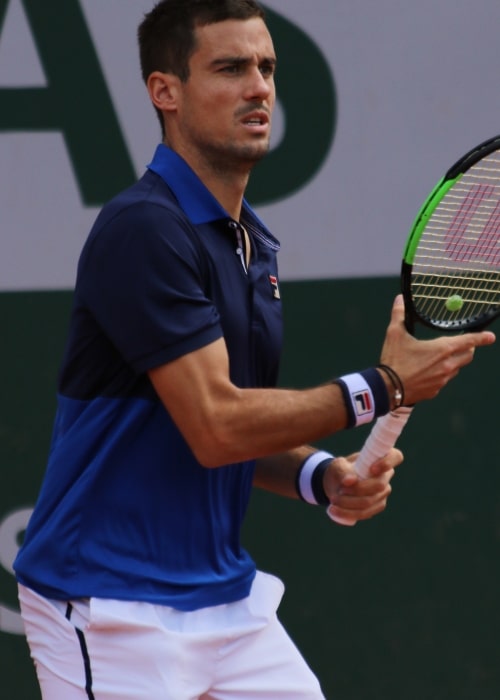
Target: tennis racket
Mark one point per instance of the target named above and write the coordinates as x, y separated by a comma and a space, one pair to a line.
450, 275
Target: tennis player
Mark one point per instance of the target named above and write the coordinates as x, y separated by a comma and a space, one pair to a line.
132, 579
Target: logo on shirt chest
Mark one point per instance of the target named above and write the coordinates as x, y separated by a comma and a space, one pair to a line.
274, 284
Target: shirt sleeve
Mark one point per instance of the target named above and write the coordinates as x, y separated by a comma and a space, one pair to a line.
144, 278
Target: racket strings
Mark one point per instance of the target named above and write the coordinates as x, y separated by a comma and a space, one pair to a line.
479, 295
459, 250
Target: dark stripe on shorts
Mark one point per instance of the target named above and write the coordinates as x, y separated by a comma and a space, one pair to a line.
85, 655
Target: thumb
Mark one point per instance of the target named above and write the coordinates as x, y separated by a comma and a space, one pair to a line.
342, 473
349, 479
398, 310
345, 473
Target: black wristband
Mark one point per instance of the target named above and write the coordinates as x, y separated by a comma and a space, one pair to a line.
317, 483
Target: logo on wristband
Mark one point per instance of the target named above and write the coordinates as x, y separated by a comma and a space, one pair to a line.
362, 402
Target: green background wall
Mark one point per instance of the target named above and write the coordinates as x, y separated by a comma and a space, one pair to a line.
403, 606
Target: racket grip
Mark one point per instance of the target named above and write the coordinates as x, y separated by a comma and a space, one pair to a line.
382, 438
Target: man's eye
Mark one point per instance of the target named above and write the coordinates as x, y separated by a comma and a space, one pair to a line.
267, 70
233, 68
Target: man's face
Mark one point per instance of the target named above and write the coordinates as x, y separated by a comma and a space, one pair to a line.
225, 107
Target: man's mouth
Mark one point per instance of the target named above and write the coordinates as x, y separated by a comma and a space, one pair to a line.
256, 119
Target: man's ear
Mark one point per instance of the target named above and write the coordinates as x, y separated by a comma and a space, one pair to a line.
163, 90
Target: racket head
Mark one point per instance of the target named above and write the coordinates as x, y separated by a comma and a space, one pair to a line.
450, 274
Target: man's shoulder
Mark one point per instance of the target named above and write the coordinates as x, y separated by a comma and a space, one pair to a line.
147, 204
149, 192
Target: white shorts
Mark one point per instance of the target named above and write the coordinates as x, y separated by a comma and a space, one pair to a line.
102, 649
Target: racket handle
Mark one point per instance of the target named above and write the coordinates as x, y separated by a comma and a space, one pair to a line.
381, 439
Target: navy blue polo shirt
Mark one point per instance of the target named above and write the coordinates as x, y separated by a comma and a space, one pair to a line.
125, 511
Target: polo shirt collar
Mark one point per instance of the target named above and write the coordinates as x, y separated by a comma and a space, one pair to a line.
194, 198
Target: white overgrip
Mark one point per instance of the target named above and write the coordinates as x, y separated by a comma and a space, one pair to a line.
382, 438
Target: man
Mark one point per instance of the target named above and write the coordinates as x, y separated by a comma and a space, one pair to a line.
133, 581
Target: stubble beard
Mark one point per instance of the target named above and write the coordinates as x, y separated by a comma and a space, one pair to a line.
232, 158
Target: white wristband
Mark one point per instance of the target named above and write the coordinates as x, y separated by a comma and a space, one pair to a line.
365, 396
305, 475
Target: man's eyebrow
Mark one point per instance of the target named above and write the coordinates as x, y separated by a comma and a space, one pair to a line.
230, 59
241, 61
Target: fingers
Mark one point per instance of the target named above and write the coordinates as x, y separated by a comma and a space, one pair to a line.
481, 339
470, 341
387, 464
353, 499
463, 347
360, 502
426, 366
463, 358
372, 488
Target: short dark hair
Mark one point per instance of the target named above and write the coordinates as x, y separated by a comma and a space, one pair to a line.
167, 33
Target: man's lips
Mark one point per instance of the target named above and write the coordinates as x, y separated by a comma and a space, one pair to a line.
256, 118
256, 121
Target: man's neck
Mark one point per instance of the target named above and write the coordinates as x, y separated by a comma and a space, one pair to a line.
227, 184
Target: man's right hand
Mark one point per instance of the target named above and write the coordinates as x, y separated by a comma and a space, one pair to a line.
426, 366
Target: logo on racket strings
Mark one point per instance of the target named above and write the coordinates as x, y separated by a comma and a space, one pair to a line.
474, 231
